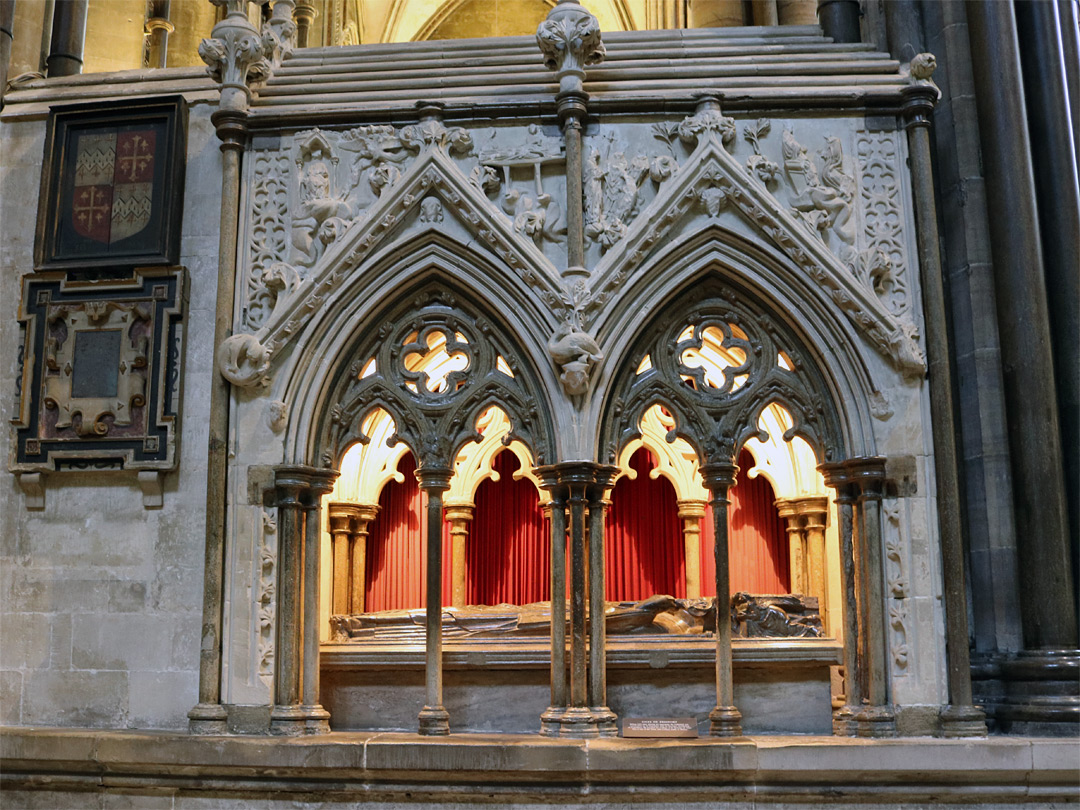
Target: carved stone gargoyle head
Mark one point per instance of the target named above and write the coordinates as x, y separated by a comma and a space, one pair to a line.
575, 353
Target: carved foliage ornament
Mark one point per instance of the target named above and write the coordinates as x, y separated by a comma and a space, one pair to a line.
570, 39
715, 369
434, 413
236, 52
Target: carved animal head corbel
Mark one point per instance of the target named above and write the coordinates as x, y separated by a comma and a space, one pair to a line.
576, 354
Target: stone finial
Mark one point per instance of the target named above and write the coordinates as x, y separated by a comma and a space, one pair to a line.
570, 40
236, 54
707, 119
279, 32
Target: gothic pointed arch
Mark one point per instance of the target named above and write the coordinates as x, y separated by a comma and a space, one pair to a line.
715, 359
435, 408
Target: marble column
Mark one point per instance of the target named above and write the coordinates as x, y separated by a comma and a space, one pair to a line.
341, 523
320, 483
68, 38
691, 513
434, 719
724, 720
876, 718
459, 516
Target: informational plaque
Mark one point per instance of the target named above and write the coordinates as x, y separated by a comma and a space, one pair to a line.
659, 727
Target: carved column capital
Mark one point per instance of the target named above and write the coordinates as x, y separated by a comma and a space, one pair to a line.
459, 512
570, 41
691, 509
716, 474
813, 508
868, 474
434, 478
236, 54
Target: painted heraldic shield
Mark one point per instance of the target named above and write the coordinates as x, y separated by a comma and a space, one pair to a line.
114, 175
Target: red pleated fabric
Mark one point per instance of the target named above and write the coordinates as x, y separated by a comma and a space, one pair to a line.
757, 541
396, 569
644, 551
508, 553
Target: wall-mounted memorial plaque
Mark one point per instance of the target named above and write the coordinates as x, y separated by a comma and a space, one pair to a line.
112, 185
99, 384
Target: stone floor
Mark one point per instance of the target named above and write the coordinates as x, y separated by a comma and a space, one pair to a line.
81, 768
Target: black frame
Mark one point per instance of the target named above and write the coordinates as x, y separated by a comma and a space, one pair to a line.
55, 247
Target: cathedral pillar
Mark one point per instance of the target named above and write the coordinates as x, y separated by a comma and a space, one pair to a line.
434, 719
724, 720
691, 513
459, 515
1048, 605
844, 718
68, 38
876, 717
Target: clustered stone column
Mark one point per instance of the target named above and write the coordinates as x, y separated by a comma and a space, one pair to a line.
860, 486
299, 491
806, 519
349, 524
577, 503
724, 720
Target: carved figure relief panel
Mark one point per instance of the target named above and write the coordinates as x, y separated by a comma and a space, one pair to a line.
323, 201
100, 372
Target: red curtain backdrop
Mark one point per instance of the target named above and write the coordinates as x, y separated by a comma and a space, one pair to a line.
757, 540
396, 559
643, 545
508, 553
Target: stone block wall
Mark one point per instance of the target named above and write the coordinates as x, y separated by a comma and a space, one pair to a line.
102, 598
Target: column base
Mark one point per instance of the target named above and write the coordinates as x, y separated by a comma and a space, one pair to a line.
434, 721
288, 721
607, 722
843, 722
577, 722
208, 719
725, 721
317, 719
876, 722
963, 721
1042, 694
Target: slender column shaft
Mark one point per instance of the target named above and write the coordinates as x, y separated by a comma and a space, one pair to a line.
877, 719
311, 556
286, 649
578, 694
725, 719
209, 715
558, 599
48, 14
459, 517
358, 560
815, 559
434, 719
305, 15
840, 19
68, 38
942, 415
843, 720
691, 513
341, 535
764, 12
575, 221
605, 718
796, 555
